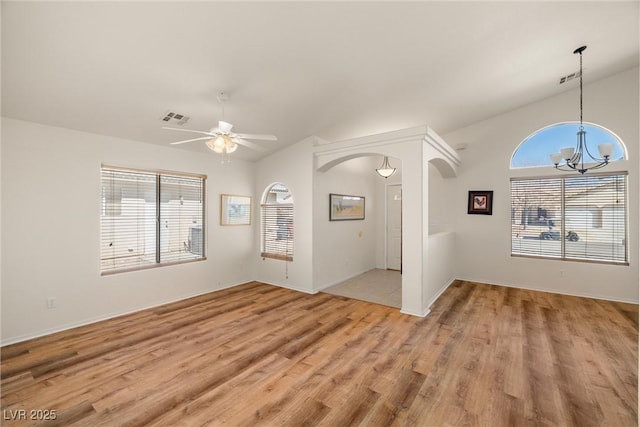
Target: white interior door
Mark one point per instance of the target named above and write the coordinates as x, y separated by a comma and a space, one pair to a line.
394, 227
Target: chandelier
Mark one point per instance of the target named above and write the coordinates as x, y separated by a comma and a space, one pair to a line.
573, 158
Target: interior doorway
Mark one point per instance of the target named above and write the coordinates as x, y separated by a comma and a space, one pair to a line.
394, 227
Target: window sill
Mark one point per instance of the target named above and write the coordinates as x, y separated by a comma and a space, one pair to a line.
591, 261
276, 256
149, 266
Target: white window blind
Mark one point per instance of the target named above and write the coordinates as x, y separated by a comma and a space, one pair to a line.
595, 209
536, 217
277, 223
572, 217
150, 218
181, 218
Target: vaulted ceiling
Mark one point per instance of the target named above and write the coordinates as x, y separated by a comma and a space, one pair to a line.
295, 69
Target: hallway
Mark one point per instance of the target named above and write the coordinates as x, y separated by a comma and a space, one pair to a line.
377, 286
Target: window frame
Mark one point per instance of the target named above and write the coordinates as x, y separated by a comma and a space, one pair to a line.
563, 219
158, 176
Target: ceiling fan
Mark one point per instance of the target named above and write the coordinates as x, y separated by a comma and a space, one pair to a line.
220, 139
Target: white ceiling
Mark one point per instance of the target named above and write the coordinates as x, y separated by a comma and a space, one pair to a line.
295, 69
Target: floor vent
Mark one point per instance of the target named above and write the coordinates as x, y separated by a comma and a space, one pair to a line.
171, 117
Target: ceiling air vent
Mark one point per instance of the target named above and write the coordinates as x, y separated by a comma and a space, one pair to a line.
176, 118
570, 77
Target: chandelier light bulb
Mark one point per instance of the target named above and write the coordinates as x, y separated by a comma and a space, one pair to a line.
567, 153
605, 150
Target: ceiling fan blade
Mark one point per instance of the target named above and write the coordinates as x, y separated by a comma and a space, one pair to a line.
249, 144
254, 136
190, 140
190, 130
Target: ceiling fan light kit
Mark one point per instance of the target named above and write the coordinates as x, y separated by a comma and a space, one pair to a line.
222, 144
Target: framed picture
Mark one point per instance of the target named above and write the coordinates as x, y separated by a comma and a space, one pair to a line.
480, 202
343, 207
235, 210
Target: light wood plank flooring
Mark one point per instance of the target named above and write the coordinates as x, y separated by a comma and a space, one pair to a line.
258, 355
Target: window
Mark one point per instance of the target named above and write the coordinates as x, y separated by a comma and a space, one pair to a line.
579, 217
150, 218
277, 223
536, 148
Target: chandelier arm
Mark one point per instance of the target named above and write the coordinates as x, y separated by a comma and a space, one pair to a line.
596, 159
568, 167
565, 166
599, 165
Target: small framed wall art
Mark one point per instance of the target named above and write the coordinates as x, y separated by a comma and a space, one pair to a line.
343, 207
480, 202
235, 210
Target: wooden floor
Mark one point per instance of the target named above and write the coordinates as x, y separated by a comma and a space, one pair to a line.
260, 355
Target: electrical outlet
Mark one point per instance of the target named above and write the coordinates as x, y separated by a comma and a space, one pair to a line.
51, 302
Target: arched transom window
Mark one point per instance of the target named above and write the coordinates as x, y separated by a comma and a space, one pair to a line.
536, 149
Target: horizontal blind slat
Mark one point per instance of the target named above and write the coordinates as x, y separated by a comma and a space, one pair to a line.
277, 230
130, 227
587, 212
128, 219
596, 211
535, 212
181, 220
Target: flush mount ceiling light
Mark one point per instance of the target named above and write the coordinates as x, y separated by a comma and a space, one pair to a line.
386, 170
573, 158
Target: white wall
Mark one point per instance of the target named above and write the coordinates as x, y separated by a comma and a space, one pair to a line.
344, 249
440, 201
51, 228
483, 244
441, 265
441, 247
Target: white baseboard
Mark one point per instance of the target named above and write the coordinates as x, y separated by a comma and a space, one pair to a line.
287, 286
440, 292
427, 311
418, 314
112, 315
551, 291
